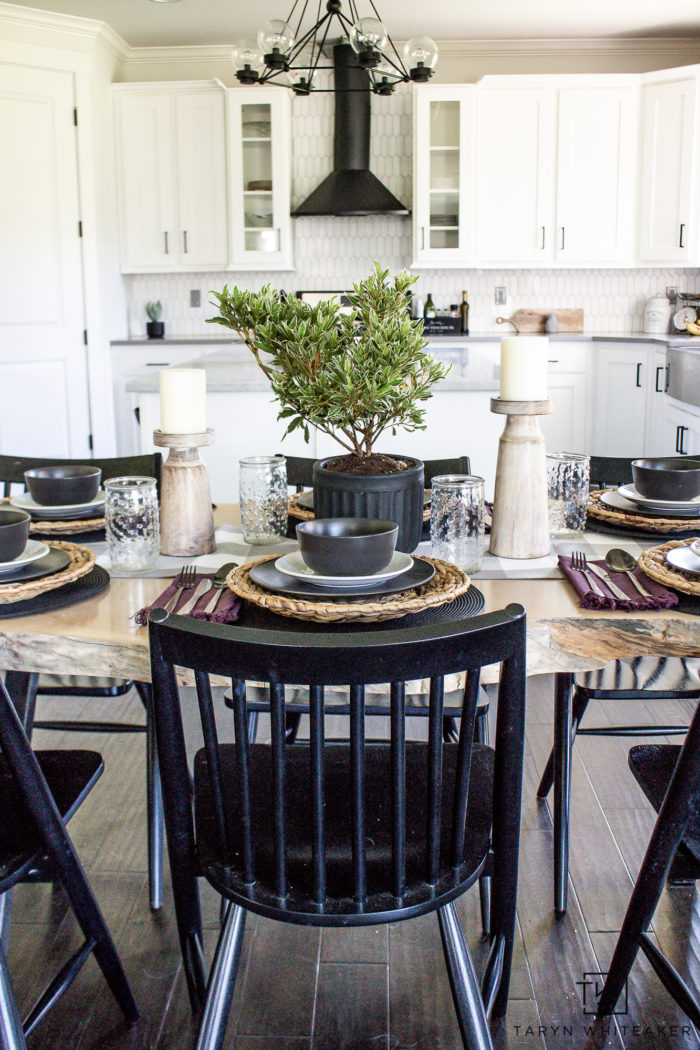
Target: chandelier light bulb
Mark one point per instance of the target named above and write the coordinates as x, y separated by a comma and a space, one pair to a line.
368, 39
420, 54
276, 36
248, 61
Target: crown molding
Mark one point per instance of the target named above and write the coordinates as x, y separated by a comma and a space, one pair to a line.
182, 54
75, 33
652, 46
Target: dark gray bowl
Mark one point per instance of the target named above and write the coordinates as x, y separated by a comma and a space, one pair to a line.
65, 484
670, 477
347, 546
14, 533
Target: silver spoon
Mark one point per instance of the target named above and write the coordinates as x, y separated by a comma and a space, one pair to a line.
218, 583
622, 561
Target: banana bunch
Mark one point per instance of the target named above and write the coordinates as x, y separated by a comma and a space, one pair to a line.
692, 327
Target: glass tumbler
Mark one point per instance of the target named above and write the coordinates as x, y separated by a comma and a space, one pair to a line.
457, 520
567, 492
263, 498
132, 524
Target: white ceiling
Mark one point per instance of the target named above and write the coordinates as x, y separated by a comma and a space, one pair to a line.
144, 23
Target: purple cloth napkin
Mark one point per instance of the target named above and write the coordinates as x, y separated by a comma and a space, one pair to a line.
661, 598
226, 610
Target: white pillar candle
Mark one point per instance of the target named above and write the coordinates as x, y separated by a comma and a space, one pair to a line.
524, 368
183, 401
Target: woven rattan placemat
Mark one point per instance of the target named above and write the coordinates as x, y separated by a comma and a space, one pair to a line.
446, 585
66, 528
664, 526
81, 562
653, 563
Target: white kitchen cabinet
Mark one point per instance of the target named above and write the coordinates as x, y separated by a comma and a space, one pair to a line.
259, 156
171, 177
443, 183
668, 163
515, 173
556, 170
625, 412
683, 428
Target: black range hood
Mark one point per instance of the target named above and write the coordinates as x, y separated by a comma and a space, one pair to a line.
351, 188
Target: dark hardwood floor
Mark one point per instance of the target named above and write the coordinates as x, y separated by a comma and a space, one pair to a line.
383, 988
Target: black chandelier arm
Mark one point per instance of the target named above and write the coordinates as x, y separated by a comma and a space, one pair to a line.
301, 16
401, 66
309, 35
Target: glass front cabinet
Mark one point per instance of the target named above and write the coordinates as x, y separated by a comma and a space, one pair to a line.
443, 165
259, 138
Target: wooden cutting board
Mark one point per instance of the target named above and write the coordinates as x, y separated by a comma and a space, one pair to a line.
531, 321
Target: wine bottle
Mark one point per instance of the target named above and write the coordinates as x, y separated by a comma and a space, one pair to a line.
464, 315
429, 310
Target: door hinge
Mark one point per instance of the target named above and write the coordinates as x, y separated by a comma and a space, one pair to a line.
90, 442
75, 116
80, 227
85, 336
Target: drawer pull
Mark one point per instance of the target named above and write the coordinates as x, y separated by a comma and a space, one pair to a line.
679, 440
659, 369
637, 381
553, 361
682, 234
157, 364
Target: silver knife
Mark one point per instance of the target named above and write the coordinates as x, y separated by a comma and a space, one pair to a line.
202, 587
602, 575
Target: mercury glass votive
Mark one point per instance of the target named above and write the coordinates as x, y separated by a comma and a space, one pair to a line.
457, 520
132, 524
567, 492
263, 499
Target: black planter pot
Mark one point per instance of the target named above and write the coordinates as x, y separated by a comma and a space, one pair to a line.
155, 329
391, 497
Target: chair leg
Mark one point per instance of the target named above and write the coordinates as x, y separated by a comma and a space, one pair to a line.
562, 787
292, 721
6, 900
469, 1005
579, 705
11, 1031
154, 803
222, 981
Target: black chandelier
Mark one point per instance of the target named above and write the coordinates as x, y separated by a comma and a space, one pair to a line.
289, 56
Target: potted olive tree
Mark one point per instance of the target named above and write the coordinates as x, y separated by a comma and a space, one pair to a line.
354, 376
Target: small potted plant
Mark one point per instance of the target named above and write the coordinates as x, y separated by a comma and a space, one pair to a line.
155, 328
354, 376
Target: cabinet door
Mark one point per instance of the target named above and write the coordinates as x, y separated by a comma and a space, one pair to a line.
619, 401
668, 132
515, 175
442, 172
684, 430
564, 430
596, 174
146, 163
201, 179
658, 441
259, 146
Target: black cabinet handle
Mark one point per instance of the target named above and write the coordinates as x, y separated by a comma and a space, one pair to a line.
659, 368
137, 415
679, 441
637, 381
668, 378
682, 233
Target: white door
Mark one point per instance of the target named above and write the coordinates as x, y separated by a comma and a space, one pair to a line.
668, 132
619, 401
596, 174
201, 166
515, 175
43, 368
148, 227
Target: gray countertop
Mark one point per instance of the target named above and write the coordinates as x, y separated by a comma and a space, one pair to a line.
456, 339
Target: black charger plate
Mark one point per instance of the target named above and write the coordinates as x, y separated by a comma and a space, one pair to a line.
87, 586
266, 575
54, 561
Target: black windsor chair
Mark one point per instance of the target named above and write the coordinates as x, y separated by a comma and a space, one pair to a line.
12, 470
408, 826
39, 792
669, 776
643, 678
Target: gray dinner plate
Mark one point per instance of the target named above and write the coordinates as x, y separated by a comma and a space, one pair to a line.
684, 559
52, 562
266, 575
616, 501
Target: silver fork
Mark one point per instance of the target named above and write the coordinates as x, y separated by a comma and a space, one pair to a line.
579, 563
184, 581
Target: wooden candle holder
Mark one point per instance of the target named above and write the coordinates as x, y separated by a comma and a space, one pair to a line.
186, 519
520, 527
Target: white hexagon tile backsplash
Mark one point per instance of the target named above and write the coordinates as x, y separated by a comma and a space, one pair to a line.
332, 253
